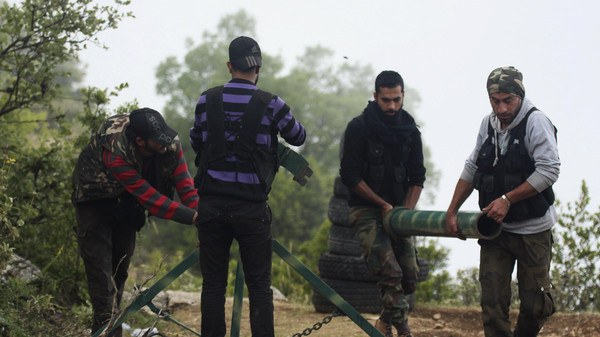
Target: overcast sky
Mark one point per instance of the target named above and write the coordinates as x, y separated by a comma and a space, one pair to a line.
443, 49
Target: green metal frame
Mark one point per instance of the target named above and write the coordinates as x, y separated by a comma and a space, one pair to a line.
146, 296
299, 167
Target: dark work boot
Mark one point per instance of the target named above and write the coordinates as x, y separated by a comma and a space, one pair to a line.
403, 329
384, 328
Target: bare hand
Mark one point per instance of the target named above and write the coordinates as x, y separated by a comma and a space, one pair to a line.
385, 209
497, 210
452, 225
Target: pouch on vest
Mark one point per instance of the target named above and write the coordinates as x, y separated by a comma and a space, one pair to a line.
512, 170
399, 182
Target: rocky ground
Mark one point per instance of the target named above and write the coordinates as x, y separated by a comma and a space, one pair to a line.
425, 321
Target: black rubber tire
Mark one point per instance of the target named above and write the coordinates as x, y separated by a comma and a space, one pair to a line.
362, 296
339, 211
342, 267
341, 241
339, 189
354, 268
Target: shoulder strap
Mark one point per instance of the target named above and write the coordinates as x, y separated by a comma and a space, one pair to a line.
519, 130
251, 120
215, 116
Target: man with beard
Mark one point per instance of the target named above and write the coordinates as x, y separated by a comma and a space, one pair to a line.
382, 165
132, 164
514, 165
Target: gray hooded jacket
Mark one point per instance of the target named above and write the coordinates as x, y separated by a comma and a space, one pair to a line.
541, 144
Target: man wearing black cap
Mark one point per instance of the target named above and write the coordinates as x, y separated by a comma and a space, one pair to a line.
235, 139
514, 165
132, 164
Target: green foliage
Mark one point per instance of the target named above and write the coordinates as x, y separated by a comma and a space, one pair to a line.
576, 255
299, 210
25, 311
10, 221
464, 291
39, 42
437, 287
36, 38
468, 289
47, 238
290, 282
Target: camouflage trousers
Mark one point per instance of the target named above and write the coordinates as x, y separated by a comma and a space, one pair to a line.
394, 260
532, 254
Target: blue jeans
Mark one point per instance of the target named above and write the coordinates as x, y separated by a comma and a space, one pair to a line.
250, 224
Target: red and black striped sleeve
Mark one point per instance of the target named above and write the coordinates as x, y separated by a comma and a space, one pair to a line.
184, 183
155, 202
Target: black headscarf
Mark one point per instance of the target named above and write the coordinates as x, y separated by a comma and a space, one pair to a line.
390, 129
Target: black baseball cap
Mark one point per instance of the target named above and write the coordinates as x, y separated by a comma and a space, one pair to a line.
244, 53
149, 124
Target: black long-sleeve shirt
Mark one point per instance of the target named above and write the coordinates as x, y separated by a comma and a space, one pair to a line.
353, 167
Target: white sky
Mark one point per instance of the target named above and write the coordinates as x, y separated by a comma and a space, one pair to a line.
443, 49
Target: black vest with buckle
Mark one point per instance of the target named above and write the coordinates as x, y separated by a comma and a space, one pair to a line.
387, 178
252, 158
511, 170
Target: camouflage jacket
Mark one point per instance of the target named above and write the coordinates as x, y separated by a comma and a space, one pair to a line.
93, 179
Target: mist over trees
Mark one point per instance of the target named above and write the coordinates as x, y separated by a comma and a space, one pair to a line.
323, 92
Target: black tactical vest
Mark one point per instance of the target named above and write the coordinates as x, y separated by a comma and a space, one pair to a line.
511, 170
252, 157
386, 177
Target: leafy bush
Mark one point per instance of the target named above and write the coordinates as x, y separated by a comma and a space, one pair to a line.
576, 255
25, 311
288, 280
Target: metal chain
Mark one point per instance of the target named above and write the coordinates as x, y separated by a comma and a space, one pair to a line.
318, 325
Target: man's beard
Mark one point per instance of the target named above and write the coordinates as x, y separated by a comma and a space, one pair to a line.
151, 150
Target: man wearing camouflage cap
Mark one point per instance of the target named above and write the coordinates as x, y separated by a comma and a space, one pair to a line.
514, 165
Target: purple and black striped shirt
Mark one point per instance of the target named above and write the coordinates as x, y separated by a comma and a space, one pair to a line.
236, 95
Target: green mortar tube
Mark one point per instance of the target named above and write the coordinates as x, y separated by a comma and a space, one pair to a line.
475, 225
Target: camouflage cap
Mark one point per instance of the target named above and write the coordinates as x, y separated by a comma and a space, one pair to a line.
506, 79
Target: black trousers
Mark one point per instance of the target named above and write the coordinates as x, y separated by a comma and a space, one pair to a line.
250, 224
106, 237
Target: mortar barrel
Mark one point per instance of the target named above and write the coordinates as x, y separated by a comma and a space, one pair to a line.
475, 225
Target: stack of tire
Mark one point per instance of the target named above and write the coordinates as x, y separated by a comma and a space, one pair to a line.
343, 268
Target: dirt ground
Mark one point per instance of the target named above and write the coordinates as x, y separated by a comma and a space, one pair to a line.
293, 318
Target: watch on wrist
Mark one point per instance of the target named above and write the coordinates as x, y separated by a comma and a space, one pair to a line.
505, 198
